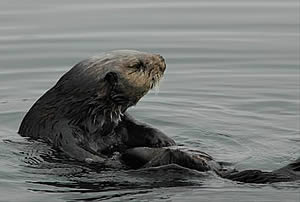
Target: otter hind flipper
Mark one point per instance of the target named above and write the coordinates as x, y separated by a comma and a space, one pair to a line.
145, 157
292, 168
139, 156
255, 176
291, 172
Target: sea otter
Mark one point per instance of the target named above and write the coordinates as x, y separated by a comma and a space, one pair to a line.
84, 115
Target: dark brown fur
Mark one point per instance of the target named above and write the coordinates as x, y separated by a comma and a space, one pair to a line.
84, 114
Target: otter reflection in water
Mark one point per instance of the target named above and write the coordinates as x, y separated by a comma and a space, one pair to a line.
84, 115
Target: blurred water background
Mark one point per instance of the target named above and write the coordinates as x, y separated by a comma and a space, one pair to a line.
231, 89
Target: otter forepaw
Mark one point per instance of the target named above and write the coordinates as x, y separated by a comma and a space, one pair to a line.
159, 140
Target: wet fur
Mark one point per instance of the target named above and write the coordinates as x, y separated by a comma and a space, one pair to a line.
84, 114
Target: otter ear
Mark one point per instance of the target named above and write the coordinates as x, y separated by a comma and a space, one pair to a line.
111, 78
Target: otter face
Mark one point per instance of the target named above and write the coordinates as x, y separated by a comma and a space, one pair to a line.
136, 72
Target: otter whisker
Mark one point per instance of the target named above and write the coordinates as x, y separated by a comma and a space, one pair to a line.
105, 112
151, 85
156, 88
110, 115
102, 121
118, 117
120, 110
116, 113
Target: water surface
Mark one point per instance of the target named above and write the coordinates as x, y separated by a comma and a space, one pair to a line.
231, 89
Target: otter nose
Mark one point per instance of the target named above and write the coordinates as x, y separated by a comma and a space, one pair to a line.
162, 65
161, 58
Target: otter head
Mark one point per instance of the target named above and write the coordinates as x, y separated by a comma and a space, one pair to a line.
131, 74
106, 85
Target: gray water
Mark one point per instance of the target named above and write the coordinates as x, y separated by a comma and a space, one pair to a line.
231, 89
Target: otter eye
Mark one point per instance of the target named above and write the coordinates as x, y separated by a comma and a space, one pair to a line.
137, 65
